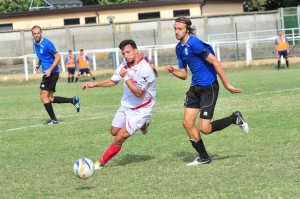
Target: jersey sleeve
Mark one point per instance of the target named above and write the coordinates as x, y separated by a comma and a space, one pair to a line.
181, 63
200, 50
51, 48
116, 77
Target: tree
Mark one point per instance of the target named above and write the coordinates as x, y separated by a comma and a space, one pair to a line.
257, 5
254, 5
275, 4
14, 5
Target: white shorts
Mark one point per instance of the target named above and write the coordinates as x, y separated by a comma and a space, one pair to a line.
133, 119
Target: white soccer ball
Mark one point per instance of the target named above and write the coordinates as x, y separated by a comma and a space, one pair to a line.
84, 168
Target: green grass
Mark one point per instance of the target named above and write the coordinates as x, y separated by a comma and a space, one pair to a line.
37, 160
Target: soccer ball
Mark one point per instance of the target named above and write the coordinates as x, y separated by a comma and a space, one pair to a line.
84, 168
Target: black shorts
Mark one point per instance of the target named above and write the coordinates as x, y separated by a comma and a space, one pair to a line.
203, 98
84, 70
283, 53
71, 70
49, 83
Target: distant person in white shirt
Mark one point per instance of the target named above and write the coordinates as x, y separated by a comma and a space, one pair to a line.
138, 99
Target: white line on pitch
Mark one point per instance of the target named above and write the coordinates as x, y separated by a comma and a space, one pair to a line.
40, 125
91, 118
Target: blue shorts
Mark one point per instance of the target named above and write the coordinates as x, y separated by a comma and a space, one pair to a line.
84, 70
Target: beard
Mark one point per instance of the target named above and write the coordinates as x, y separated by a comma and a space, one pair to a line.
131, 62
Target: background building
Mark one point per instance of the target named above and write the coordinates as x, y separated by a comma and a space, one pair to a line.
74, 14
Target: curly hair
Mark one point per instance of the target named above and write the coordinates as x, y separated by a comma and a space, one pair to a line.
188, 24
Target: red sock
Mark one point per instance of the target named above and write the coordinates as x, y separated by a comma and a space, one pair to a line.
109, 153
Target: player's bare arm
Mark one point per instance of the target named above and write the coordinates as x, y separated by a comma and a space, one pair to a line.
55, 63
215, 62
104, 83
179, 73
136, 91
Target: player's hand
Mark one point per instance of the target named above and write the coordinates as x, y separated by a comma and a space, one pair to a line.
233, 90
123, 72
169, 69
88, 85
36, 68
48, 72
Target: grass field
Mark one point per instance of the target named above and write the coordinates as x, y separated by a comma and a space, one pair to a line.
37, 160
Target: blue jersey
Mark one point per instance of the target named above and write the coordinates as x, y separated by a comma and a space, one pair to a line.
45, 51
193, 54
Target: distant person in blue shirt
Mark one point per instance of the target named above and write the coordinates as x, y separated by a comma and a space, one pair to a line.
203, 92
49, 59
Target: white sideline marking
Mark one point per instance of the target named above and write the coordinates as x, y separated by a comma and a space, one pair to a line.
41, 125
91, 118
253, 94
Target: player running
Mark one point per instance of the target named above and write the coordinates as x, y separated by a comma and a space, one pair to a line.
49, 59
139, 96
203, 93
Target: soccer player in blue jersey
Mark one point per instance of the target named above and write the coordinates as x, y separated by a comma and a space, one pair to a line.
49, 59
203, 92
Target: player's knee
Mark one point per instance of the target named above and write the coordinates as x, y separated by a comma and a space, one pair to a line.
205, 129
114, 131
51, 98
188, 124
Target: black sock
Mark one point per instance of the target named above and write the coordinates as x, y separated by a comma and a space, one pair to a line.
287, 63
220, 124
94, 78
200, 148
50, 110
62, 100
72, 79
76, 79
278, 64
69, 79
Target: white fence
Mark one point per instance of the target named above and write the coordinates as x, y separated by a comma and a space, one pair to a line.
156, 52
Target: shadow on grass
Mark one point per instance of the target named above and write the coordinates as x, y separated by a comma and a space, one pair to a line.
133, 158
82, 188
189, 156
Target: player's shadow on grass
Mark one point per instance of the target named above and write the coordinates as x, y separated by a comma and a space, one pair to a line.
133, 158
189, 156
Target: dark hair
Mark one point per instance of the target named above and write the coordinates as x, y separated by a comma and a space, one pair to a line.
36, 26
81, 49
70, 50
127, 42
188, 24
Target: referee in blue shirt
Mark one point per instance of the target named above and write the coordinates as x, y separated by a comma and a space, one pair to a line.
49, 59
203, 92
